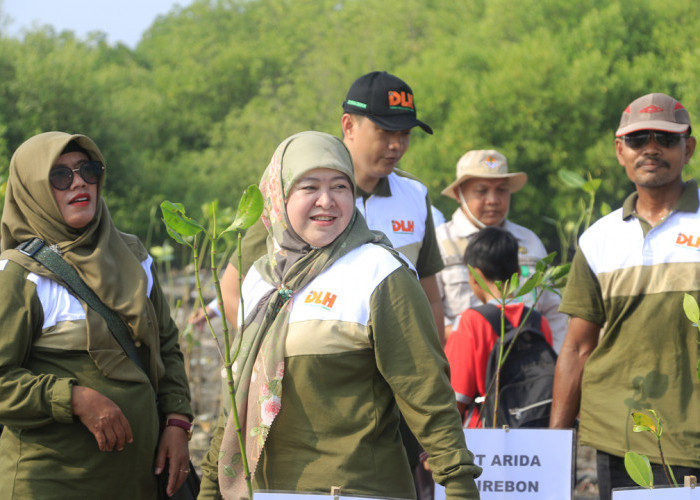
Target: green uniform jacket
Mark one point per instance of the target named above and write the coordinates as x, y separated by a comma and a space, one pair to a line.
344, 383
46, 453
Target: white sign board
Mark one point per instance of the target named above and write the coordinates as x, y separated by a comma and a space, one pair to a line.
657, 494
521, 464
262, 495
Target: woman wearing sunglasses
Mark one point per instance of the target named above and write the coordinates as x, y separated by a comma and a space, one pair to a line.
339, 336
80, 416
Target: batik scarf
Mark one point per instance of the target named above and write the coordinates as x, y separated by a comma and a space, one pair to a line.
107, 260
289, 266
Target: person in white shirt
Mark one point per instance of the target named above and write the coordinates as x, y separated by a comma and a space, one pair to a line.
482, 188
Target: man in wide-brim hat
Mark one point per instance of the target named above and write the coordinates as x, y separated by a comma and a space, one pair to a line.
482, 187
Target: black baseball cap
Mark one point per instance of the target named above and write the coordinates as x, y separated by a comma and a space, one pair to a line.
386, 100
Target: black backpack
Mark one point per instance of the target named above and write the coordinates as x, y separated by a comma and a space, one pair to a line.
527, 376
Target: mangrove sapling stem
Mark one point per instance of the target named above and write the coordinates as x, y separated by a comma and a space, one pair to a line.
522, 323
667, 468
228, 364
240, 293
180, 227
200, 295
501, 359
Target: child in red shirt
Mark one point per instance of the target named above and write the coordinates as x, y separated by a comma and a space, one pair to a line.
493, 253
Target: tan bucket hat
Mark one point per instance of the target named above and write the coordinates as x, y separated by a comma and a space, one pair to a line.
484, 164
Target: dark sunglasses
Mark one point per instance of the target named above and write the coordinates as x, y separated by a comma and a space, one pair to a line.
639, 139
61, 176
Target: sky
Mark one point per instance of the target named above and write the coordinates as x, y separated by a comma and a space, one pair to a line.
122, 20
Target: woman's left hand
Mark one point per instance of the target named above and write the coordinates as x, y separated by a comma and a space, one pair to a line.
173, 449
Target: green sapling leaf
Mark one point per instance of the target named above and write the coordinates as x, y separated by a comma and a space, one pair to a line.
591, 185
530, 284
480, 281
544, 262
512, 284
571, 179
175, 218
249, 209
639, 469
690, 306
560, 271
176, 236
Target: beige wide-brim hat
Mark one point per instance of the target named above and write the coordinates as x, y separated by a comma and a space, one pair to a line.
484, 164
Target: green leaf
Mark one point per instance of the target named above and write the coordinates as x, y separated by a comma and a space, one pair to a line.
480, 281
249, 209
591, 185
571, 179
513, 283
530, 284
690, 306
639, 469
545, 261
560, 272
175, 218
174, 235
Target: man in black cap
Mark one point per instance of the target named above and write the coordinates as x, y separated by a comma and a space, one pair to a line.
630, 273
380, 113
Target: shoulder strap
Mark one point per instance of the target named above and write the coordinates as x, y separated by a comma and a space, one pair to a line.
36, 248
492, 314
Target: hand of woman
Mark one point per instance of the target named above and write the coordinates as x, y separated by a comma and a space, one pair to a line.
103, 418
173, 448
199, 317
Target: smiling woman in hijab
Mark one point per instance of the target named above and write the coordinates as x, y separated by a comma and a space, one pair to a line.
339, 338
80, 417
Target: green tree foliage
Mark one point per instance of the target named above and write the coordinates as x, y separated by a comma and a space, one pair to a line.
195, 111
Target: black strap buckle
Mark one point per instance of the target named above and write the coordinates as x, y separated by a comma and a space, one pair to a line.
31, 247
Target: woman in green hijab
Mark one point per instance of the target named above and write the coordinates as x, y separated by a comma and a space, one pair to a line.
80, 417
339, 337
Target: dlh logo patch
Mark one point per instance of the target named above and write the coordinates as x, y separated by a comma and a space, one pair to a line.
401, 99
688, 240
403, 226
323, 299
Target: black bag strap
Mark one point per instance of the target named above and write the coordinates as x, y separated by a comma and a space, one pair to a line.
492, 314
37, 249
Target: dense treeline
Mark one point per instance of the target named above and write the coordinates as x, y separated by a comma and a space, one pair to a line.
195, 111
